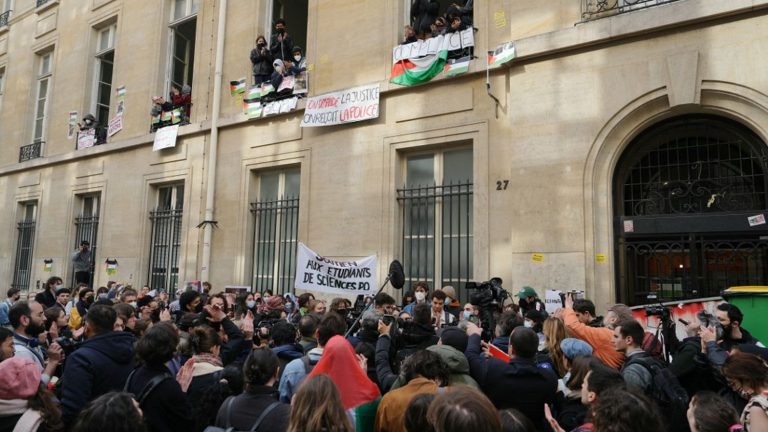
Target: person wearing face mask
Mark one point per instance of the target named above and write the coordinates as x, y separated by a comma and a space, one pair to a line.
420, 291
470, 313
261, 59
747, 375
90, 123
48, 297
81, 308
281, 43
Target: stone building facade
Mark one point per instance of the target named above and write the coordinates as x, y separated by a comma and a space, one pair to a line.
623, 151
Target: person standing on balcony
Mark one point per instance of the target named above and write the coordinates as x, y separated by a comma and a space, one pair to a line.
81, 261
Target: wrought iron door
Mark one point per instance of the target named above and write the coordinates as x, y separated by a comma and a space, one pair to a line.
686, 196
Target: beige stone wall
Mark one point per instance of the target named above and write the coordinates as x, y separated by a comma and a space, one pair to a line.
572, 102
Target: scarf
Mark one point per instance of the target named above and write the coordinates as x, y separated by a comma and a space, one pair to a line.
339, 363
208, 358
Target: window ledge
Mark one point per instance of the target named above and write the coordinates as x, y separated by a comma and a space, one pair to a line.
45, 6
3, 29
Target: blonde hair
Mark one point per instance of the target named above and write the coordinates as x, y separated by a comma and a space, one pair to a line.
554, 332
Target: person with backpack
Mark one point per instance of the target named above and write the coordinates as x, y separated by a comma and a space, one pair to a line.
649, 375
297, 370
160, 397
206, 364
257, 408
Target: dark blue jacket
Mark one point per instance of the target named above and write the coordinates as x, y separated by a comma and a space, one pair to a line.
502, 343
100, 365
519, 384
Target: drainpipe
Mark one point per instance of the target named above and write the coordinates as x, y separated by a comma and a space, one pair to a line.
209, 224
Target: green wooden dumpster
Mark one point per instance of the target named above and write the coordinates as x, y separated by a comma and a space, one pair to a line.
753, 302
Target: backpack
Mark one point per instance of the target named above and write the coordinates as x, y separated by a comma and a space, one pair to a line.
308, 364
228, 410
148, 388
666, 392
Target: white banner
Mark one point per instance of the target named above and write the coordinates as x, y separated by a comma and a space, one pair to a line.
165, 137
115, 125
320, 274
431, 46
346, 106
86, 138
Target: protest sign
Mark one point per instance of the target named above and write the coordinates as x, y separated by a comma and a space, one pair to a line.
320, 274
553, 299
115, 125
236, 289
86, 138
165, 137
346, 106
120, 91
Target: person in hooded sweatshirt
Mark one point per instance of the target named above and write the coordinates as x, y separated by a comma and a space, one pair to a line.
101, 364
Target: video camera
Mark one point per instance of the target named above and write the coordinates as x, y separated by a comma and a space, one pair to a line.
489, 298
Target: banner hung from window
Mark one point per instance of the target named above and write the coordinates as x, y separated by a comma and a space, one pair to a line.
346, 106
86, 138
421, 61
165, 137
320, 274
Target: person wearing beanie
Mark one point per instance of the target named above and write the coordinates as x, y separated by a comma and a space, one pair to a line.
452, 304
20, 388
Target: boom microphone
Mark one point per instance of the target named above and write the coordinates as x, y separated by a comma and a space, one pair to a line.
396, 275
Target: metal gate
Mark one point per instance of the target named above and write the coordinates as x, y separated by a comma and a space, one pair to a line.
689, 196
164, 249
275, 234
86, 228
22, 271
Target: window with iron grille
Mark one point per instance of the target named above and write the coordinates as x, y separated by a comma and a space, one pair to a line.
437, 221
165, 238
87, 227
275, 231
105, 59
2, 86
25, 231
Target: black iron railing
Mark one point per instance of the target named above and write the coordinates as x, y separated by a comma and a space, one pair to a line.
592, 9
689, 266
165, 243
40, 2
437, 235
4, 18
31, 151
22, 270
86, 228
275, 240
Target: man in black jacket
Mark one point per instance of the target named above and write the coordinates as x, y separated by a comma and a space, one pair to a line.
519, 384
100, 365
280, 44
730, 318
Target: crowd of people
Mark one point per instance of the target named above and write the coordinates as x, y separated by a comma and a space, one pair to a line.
174, 110
279, 59
123, 359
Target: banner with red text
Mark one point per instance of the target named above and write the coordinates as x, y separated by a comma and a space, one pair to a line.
346, 106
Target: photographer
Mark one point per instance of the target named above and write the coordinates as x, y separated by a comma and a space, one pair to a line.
281, 44
688, 364
261, 59
369, 328
600, 338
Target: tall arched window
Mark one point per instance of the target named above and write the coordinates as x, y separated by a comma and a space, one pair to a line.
688, 197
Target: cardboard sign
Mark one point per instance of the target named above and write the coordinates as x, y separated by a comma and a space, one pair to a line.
165, 137
319, 274
115, 125
86, 138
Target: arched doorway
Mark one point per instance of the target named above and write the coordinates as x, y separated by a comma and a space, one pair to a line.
686, 193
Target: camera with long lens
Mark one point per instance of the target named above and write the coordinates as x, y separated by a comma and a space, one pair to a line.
658, 310
489, 297
67, 344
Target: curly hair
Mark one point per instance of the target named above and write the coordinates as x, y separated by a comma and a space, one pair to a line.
114, 412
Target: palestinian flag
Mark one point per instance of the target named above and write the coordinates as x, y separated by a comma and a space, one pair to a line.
418, 70
457, 66
252, 108
237, 87
252, 93
502, 54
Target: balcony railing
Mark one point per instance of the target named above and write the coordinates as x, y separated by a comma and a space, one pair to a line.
31, 151
4, 18
40, 3
593, 9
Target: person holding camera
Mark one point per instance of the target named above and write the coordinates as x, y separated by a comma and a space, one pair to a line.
281, 43
261, 58
600, 338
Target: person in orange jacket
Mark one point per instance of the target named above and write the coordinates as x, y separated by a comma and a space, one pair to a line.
598, 337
